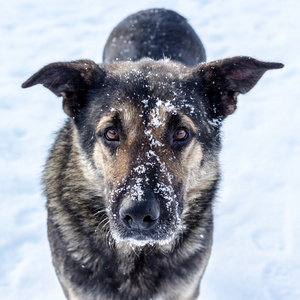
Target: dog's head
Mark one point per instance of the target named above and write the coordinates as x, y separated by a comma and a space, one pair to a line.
149, 133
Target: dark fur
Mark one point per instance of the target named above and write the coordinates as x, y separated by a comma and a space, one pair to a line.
94, 185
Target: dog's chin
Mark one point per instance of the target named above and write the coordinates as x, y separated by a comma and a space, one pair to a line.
143, 239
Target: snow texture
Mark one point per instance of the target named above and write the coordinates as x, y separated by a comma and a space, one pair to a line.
256, 245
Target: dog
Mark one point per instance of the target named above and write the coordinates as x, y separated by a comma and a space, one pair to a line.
132, 176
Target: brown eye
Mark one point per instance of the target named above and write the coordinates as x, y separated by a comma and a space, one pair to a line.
180, 134
111, 134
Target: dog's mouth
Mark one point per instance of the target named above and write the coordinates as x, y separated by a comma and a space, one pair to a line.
159, 235
144, 231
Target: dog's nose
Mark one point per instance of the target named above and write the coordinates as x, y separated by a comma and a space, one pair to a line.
140, 214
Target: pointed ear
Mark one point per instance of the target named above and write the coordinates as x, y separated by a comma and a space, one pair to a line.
71, 80
223, 80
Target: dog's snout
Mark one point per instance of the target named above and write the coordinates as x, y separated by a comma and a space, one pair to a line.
142, 215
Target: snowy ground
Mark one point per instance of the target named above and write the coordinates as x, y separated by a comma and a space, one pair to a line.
256, 244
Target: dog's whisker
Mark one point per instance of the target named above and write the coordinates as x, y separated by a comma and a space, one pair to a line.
105, 226
101, 223
103, 220
99, 212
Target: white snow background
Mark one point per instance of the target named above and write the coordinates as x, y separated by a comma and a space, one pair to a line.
256, 246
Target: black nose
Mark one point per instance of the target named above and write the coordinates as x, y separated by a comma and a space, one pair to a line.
140, 214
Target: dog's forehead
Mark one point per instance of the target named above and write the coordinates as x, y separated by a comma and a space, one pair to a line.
160, 79
140, 116
152, 87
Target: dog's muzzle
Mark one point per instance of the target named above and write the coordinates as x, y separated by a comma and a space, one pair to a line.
143, 214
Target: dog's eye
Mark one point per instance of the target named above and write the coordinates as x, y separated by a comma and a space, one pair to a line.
180, 134
111, 134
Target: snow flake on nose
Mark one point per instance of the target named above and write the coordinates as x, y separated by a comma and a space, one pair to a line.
157, 121
137, 191
140, 169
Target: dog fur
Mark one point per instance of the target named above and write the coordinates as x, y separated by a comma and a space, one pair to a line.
132, 176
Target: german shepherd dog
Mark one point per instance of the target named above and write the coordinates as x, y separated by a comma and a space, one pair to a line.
131, 178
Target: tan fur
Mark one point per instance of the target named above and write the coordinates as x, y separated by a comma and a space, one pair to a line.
116, 168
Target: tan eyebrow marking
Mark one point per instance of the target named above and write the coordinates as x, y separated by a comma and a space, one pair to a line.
104, 120
189, 123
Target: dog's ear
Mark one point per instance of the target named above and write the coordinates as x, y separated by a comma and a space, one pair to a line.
71, 80
223, 80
